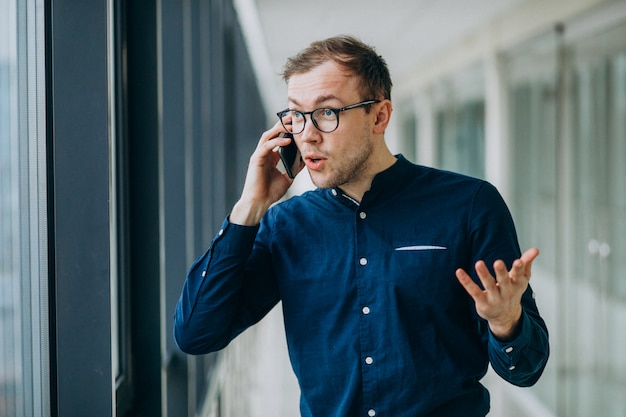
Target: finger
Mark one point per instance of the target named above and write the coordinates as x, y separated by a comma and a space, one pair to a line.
270, 142
272, 132
502, 274
517, 271
488, 281
527, 258
470, 286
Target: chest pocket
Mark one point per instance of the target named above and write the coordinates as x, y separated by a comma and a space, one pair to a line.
426, 270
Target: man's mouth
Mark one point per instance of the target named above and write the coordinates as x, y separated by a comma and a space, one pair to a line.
314, 162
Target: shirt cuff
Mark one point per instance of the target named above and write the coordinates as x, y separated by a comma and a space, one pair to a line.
234, 238
514, 347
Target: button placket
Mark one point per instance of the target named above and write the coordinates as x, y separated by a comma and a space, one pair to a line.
366, 344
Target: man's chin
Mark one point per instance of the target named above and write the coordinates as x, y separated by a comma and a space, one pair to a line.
321, 181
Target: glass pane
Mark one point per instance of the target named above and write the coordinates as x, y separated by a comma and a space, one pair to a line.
598, 77
533, 104
583, 247
24, 370
460, 123
532, 95
617, 174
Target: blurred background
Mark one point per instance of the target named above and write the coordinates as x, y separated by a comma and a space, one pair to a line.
125, 131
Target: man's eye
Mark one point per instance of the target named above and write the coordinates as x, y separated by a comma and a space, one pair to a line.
328, 113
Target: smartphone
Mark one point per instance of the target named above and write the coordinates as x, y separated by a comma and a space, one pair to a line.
290, 155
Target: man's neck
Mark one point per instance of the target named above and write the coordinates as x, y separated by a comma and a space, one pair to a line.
356, 190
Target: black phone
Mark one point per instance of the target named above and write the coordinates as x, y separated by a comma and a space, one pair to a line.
290, 155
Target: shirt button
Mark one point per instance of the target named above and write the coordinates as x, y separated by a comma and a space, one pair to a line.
221, 232
371, 413
203, 274
509, 349
369, 360
363, 261
512, 367
362, 215
366, 310
334, 192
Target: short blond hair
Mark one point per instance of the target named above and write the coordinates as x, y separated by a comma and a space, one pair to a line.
351, 54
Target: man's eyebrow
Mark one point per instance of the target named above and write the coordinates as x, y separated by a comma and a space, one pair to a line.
318, 101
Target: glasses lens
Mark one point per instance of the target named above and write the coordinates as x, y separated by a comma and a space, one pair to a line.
293, 121
297, 121
326, 120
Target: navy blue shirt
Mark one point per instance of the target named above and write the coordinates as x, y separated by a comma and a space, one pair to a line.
376, 322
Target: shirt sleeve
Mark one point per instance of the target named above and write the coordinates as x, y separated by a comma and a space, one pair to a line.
522, 360
221, 297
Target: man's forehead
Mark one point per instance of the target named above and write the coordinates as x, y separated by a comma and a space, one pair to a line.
322, 83
315, 100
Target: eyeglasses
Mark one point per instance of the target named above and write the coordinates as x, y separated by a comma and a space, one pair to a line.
325, 119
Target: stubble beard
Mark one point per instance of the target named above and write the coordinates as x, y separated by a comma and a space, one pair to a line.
349, 168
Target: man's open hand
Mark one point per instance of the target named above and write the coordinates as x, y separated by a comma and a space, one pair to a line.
500, 301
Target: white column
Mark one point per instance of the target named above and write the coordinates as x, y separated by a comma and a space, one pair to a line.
498, 158
426, 148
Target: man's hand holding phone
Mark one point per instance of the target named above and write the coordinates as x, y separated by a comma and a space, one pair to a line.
264, 184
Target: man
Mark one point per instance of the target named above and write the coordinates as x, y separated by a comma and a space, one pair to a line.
380, 316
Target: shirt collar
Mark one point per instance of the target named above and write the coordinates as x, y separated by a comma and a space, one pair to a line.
384, 184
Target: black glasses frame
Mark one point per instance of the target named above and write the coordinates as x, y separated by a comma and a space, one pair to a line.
280, 115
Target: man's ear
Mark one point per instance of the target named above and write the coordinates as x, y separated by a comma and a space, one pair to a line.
383, 115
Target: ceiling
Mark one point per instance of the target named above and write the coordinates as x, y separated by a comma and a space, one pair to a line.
404, 32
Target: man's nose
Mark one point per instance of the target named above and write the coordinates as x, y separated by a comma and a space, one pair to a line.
310, 132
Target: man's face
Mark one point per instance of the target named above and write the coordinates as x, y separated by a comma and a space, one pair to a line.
339, 158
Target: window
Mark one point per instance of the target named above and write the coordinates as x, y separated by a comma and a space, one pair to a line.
460, 122
24, 356
567, 96
531, 70
597, 85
